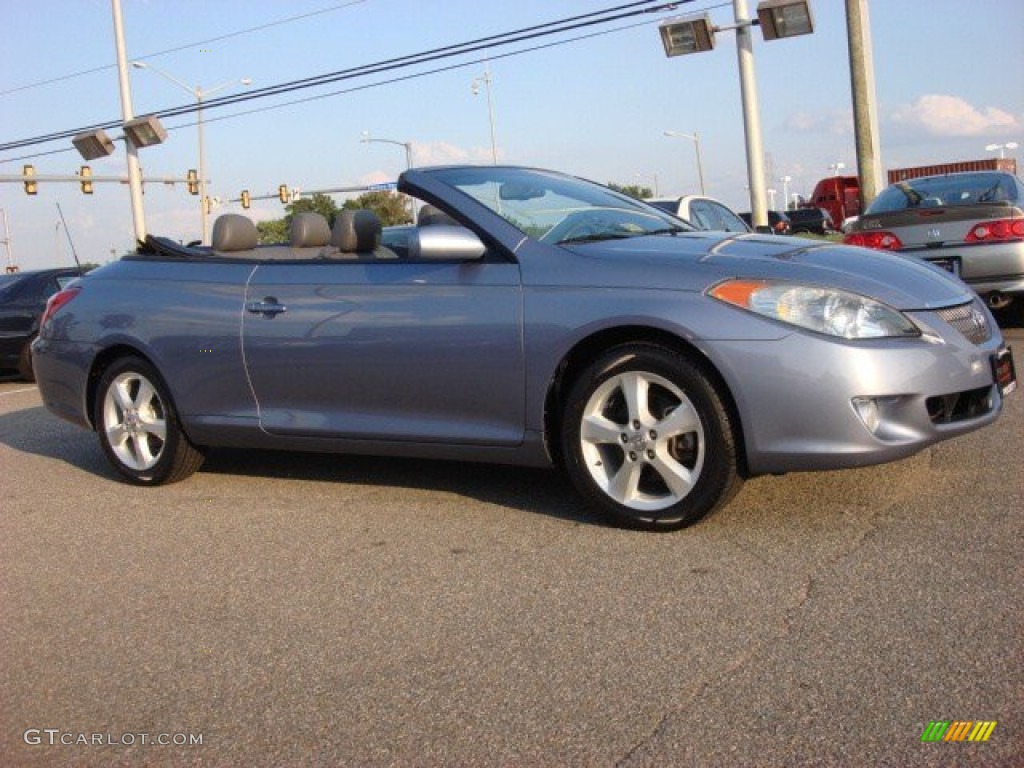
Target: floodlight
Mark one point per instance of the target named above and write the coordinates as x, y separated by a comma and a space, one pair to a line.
687, 34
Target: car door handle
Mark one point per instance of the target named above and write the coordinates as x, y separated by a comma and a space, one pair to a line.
268, 307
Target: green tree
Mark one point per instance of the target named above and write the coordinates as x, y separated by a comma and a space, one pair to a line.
274, 231
633, 190
318, 203
391, 208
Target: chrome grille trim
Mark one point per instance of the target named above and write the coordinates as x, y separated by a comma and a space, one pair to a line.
969, 320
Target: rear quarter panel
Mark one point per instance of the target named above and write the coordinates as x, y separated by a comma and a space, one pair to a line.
185, 318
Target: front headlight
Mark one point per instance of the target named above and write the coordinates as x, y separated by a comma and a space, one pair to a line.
824, 310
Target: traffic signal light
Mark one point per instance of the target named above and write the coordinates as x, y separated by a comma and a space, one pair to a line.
282, 193
85, 173
30, 186
246, 201
193, 181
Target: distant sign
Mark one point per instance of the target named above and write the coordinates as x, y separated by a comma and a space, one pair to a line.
382, 187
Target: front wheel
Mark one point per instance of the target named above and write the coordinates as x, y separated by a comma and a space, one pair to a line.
138, 426
646, 436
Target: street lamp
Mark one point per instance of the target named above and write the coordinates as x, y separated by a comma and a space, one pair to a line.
485, 78
785, 190
778, 19
366, 139
695, 138
1002, 148
199, 94
836, 168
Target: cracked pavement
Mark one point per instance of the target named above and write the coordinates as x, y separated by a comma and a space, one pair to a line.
331, 610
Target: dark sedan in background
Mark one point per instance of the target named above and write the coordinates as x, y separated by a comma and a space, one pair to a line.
971, 224
778, 222
23, 297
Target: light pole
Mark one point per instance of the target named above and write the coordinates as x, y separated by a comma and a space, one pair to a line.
695, 138
1001, 147
199, 94
485, 78
695, 33
7, 242
367, 139
127, 114
836, 168
785, 190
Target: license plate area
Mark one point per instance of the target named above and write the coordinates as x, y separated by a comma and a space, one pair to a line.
1003, 371
948, 263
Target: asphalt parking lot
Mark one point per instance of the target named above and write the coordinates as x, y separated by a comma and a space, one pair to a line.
332, 610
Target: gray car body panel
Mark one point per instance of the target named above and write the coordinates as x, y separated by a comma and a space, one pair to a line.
457, 360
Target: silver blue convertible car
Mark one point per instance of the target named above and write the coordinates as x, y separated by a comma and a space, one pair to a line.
529, 318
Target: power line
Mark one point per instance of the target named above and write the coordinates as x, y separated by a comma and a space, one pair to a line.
368, 86
527, 33
184, 47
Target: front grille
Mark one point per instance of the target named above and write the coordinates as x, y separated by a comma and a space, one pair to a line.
969, 320
959, 406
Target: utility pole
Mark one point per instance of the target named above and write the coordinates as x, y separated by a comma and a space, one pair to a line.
865, 105
134, 173
751, 115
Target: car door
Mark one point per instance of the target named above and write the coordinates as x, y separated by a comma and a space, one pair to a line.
390, 349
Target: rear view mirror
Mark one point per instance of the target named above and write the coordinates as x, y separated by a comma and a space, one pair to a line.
444, 243
517, 190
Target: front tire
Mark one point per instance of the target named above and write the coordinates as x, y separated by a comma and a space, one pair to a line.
138, 426
648, 439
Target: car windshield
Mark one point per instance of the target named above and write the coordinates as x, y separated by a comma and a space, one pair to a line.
559, 209
955, 189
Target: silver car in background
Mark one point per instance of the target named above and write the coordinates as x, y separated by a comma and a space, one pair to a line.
971, 224
540, 320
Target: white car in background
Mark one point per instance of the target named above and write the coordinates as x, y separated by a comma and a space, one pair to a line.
702, 212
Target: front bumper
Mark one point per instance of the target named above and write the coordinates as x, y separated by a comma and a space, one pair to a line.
809, 402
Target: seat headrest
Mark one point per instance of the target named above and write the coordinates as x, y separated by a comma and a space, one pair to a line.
234, 232
430, 216
356, 231
309, 230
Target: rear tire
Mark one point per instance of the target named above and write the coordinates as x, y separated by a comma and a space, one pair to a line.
647, 438
138, 425
25, 361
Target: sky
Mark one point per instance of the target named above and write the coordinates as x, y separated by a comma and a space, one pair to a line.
947, 83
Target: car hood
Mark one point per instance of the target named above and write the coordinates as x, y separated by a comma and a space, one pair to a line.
901, 282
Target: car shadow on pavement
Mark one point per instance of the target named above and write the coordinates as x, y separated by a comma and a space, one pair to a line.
540, 491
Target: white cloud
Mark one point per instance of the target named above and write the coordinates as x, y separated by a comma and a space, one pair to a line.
835, 122
443, 153
942, 115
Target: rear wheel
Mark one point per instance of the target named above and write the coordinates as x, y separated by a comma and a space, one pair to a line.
25, 361
646, 437
138, 426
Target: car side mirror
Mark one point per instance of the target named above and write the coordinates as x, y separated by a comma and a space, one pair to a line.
445, 243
